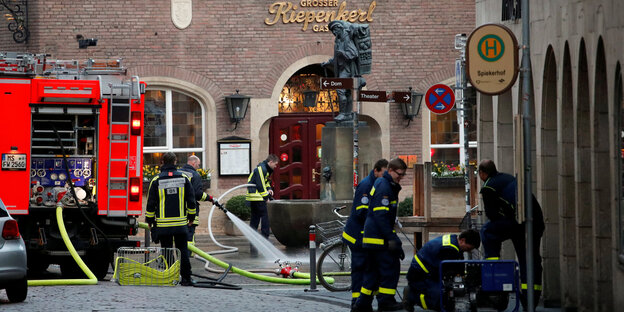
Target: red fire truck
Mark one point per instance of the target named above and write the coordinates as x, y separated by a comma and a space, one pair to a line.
71, 137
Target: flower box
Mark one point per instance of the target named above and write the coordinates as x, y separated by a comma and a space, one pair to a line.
205, 184
447, 182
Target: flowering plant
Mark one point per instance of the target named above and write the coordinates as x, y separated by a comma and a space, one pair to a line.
442, 170
205, 173
149, 172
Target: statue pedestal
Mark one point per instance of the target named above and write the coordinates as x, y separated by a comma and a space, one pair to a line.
337, 154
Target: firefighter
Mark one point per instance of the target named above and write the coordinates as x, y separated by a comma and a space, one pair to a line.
352, 234
259, 194
423, 276
383, 247
499, 198
190, 168
171, 210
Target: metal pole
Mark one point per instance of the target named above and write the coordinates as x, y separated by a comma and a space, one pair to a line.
461, 86
312, 238
528, 193
356, 131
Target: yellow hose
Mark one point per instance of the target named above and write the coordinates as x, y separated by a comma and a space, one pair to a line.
271, 279
92, 280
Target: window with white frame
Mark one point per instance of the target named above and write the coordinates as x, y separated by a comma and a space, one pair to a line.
445, 133
174, 122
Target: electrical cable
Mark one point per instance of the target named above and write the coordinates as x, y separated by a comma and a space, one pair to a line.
72, 191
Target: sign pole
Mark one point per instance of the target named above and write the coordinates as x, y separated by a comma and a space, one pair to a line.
356, 131
528, 192
461, 86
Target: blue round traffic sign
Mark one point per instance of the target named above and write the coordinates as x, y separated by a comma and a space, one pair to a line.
440, 99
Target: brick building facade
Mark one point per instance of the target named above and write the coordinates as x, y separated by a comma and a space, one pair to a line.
247, 45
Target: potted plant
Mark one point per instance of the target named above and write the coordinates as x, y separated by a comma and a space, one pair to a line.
205, 174
238, 207
149, 172
447, 175
406, 207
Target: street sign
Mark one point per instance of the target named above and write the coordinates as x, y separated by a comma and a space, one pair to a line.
440, 99
492, 59
402, 97
336, 83
372, 96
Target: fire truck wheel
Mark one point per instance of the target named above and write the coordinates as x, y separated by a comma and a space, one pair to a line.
70, 269
99, 262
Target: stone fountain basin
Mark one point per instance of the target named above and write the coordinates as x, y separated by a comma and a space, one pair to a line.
291, 219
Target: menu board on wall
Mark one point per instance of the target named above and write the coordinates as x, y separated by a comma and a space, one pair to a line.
234, 157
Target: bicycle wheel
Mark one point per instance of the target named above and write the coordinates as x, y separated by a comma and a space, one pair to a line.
335, 262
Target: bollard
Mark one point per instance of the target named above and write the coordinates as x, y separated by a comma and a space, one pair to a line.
312, 237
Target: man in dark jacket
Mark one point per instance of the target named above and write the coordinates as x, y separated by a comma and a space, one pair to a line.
191, 167
383, 247
168, 192
259, 194
499, 198
423, 276
352, 234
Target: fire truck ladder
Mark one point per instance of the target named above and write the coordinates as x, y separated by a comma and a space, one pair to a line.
120, 118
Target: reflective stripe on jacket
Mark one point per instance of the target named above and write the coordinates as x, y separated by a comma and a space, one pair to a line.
382, 212
428, 258
259, 177
196, 182
170, 199
355, 224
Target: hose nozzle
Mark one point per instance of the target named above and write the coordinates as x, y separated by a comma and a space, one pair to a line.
220, 206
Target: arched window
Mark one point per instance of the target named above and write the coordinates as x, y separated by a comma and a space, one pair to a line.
173, 123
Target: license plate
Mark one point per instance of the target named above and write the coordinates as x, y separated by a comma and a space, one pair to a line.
13, 161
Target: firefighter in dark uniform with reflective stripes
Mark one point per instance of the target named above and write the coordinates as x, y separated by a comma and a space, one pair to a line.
259, 194
499, 198
171, 210
190, 169
423, 276
383, 247
354, 227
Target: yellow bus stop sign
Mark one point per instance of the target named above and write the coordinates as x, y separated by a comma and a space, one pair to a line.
492, 59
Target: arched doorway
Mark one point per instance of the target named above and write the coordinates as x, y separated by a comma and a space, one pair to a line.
295, 135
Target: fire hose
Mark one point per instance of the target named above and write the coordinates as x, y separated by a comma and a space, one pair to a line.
92, 280
299, 278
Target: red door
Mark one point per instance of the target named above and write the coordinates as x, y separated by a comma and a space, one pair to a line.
296, 140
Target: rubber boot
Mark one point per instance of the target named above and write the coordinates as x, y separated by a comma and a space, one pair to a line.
408, 305
537, 294
392, 306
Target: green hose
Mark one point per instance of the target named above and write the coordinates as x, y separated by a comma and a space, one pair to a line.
92, 280
301, 278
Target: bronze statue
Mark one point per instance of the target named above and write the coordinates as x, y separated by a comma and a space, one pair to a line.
352, 58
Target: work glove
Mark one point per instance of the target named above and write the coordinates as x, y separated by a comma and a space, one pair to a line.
395, 246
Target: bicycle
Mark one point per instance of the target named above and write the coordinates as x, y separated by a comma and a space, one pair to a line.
335, 260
